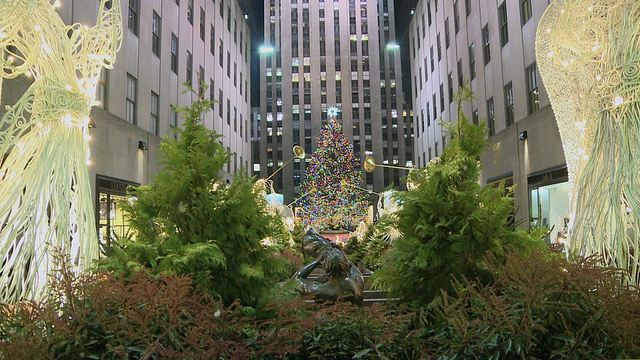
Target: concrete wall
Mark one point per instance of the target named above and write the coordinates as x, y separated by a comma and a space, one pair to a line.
115, 153
541, 151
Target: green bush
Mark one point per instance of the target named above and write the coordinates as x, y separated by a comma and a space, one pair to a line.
101, 316
449, 221
190, 221
377, 241
346, 331
539, 306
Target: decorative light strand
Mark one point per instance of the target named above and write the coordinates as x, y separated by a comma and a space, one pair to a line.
47, 203
587, 54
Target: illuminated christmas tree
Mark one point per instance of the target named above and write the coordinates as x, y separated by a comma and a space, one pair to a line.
332, 182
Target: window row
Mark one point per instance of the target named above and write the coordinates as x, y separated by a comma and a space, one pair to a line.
240, 125
156, 36
526, 12
533, 101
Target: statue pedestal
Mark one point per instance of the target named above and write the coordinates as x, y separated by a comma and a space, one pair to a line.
339, 237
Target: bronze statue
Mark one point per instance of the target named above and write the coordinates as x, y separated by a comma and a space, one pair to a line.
340, 279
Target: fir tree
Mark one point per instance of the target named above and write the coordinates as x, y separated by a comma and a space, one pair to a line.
189, 221
449, 221
332, 197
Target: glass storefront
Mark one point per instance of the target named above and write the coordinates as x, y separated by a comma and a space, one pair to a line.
549, 203
109, 215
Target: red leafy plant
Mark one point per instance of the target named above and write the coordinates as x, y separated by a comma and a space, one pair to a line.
540, 305
149, 316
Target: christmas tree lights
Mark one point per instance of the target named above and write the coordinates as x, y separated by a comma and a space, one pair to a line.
331, 183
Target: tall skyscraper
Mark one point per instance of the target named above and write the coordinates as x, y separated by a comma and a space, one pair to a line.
322, 55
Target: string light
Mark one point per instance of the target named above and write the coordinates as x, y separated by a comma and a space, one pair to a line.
591, 89
618, 100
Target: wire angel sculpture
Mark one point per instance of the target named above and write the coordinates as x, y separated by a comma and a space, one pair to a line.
588, 53
45, 194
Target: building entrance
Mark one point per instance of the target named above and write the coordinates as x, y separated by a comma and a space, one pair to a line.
111, 223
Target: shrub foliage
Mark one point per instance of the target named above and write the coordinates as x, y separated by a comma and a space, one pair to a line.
165, 317
449, 221
190, 221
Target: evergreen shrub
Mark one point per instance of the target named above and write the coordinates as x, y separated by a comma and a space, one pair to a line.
189, 220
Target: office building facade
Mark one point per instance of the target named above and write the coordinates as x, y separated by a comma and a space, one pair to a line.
330, 54
166, 43
489, 46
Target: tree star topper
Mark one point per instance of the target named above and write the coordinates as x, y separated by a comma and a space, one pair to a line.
332, 112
